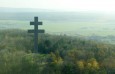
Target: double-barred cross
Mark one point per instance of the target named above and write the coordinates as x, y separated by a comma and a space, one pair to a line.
36, 31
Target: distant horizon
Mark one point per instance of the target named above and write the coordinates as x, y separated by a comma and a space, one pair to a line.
16, 9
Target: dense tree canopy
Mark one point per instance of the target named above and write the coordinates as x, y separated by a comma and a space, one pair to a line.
57, 54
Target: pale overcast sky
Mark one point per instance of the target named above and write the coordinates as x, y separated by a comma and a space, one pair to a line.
68, 5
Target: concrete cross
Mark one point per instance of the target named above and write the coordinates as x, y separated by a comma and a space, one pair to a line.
36, 31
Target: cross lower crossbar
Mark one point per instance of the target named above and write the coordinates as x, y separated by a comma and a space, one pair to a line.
38, 31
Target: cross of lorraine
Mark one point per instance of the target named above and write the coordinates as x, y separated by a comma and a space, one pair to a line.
36, 31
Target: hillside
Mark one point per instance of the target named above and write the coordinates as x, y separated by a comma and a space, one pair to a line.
58, 54
71, 23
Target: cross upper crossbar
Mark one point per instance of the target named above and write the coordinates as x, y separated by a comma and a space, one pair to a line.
37, 23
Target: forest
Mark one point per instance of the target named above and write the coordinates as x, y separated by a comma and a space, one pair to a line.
57, 54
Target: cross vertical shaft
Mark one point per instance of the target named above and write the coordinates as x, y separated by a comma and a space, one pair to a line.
36, 34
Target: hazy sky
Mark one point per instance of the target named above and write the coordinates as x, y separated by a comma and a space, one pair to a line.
68, 5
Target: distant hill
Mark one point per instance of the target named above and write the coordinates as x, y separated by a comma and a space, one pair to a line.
45, 14
6, 9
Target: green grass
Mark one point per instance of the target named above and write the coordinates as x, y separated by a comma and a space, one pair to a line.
68, 27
